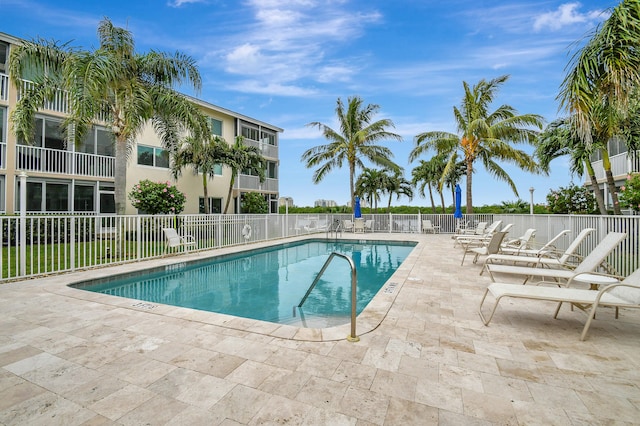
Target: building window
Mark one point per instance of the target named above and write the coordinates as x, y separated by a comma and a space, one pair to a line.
250, 133
3, 125
153, 156
97, 141
269, 138
46, 196
3, 206
215, 205
272, 170
4, 56
83, 198
216, 126
48, 134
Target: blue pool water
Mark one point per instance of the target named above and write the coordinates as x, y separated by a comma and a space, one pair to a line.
266, 284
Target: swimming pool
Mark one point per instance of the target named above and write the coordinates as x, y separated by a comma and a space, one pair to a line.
265, 284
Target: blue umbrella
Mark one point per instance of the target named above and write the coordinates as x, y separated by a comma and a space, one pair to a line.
356, 209
458, 213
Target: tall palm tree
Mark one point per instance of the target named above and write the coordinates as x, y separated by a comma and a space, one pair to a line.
397, 185
131, 88
559, 139
425, 176
606, 70
484, 135
354, 142
369, 185
204, 156
246, 159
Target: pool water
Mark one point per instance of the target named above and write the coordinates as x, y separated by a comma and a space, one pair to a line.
266, 284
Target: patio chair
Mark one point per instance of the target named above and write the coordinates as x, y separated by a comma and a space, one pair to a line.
427, 226
521, 242
368, 225
485, 235
174, 240
492, 247
530, 250
589, 264
622, 294
545, 257
348, 225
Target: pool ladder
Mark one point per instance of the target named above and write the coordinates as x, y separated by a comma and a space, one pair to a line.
354, 279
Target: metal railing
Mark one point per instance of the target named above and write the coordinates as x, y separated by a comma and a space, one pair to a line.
48, 160
36, 245
354, 299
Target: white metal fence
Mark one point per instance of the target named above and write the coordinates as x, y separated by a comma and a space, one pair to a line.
38, 245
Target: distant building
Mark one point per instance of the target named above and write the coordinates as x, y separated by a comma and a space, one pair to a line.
285, 201
325, 203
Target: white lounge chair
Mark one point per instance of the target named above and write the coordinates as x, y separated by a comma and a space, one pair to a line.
548, 247
368, 225
174, 240
428, 226
589, 264
348, 225
520, 243
545, 258
624, 294
485, 235
492, 247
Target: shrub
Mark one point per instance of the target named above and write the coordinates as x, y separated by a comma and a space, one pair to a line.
572, 199
157, 197
254, 202
629, 194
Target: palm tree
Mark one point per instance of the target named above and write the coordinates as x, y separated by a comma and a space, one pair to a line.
606, 70
354, 142
484, 136
204, 156
559, 139
246, 159
397, 185
131, 88
424, 176
368, 185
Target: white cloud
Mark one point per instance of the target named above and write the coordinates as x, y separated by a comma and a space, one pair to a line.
178, 3
566, 14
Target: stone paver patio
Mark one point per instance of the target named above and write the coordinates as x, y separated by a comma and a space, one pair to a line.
70, 357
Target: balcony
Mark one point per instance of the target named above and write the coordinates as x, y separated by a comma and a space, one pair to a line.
267, 151
252, 183
621, 166
47, 160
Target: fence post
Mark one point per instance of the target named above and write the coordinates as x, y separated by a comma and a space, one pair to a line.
23, 223
139, 238
72, 243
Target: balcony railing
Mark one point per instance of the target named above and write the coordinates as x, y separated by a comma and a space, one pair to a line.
621, 165
269, 151
253, 183
47, 160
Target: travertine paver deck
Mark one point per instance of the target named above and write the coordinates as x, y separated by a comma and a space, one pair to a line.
70, 357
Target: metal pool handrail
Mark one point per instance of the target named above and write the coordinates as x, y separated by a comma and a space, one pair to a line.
354, 279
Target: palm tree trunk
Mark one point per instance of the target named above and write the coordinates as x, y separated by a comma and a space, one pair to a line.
433, 204
352, 172
442, 201
205, 193
596, 187
469, 186
120, 175
606, 163
231, 182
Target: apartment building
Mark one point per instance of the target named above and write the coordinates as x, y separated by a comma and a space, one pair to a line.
65, 178
622, 164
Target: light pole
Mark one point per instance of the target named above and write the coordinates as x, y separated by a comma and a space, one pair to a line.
531, 202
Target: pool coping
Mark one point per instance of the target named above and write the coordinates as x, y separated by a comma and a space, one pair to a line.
367, 321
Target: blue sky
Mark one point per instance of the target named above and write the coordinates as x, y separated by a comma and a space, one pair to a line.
286, 62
